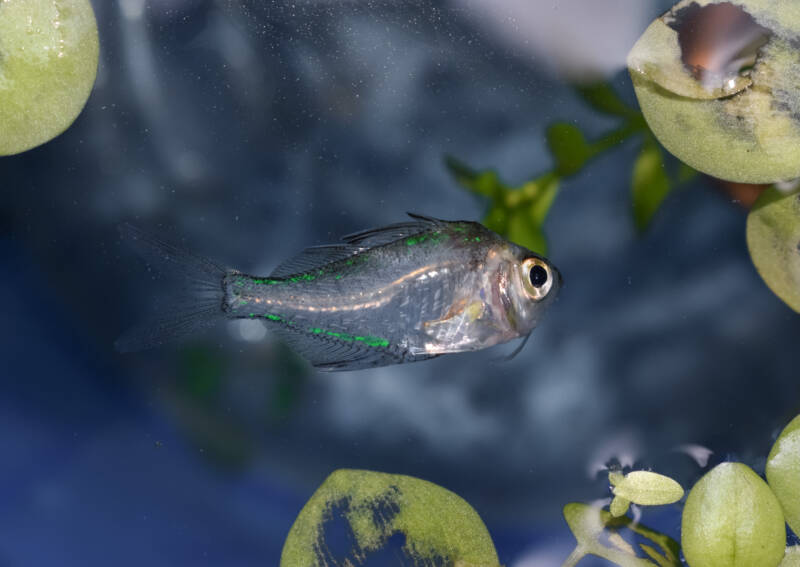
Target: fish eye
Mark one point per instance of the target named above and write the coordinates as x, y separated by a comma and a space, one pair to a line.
538, 278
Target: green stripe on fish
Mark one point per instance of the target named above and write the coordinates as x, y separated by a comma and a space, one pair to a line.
368, 340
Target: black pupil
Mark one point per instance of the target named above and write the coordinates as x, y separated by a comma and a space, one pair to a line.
538, 276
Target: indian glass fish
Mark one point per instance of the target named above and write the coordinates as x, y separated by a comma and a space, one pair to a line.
406, 292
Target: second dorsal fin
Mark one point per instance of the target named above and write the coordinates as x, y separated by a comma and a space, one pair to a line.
386, 234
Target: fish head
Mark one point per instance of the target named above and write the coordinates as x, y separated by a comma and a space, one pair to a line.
529, 284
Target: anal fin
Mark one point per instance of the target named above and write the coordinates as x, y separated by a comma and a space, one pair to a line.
332, 351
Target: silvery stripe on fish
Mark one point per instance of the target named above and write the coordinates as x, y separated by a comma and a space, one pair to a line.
401, 293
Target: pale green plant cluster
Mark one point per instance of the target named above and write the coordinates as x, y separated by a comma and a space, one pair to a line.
731, 518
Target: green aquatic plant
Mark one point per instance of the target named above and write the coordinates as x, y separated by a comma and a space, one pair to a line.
597, 533
773, 237
519, 212
48, 63
642, 487
732, 519
438, 527
718, 84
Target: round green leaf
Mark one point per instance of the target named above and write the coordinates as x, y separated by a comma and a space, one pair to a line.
783, 472
48, 64
439, 527
773, 237
742, 126
732, 519
648, 489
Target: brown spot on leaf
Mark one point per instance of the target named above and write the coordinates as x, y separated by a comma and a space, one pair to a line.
717, 41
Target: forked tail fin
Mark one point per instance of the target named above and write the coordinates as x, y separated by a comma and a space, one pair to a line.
200, 298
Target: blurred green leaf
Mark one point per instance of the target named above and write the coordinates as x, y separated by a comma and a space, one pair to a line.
547, 189
773, 237
686, 172
201, 372
602, 97
568, 146
597, 533
650, 184
525, 232
439, 527
497, 220
484, 183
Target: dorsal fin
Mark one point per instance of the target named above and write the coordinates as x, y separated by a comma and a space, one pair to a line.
386, 234
312, 258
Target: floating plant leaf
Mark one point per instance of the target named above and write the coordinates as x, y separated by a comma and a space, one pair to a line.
732, 519
597, 533
48, 64
650, 183
783, 472
773, 237
648, 489
373, 510
728, 106
792, 557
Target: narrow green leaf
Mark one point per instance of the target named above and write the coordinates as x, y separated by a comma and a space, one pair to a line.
783, 472
548, 187
650, 184
603, 98
657, 557
773, 237
485, 183
568, 146
438, 526
686, 173
648, 489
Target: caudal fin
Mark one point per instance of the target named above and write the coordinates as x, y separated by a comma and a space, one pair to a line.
200, 297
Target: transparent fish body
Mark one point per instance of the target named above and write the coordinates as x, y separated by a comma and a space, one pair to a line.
402, 293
